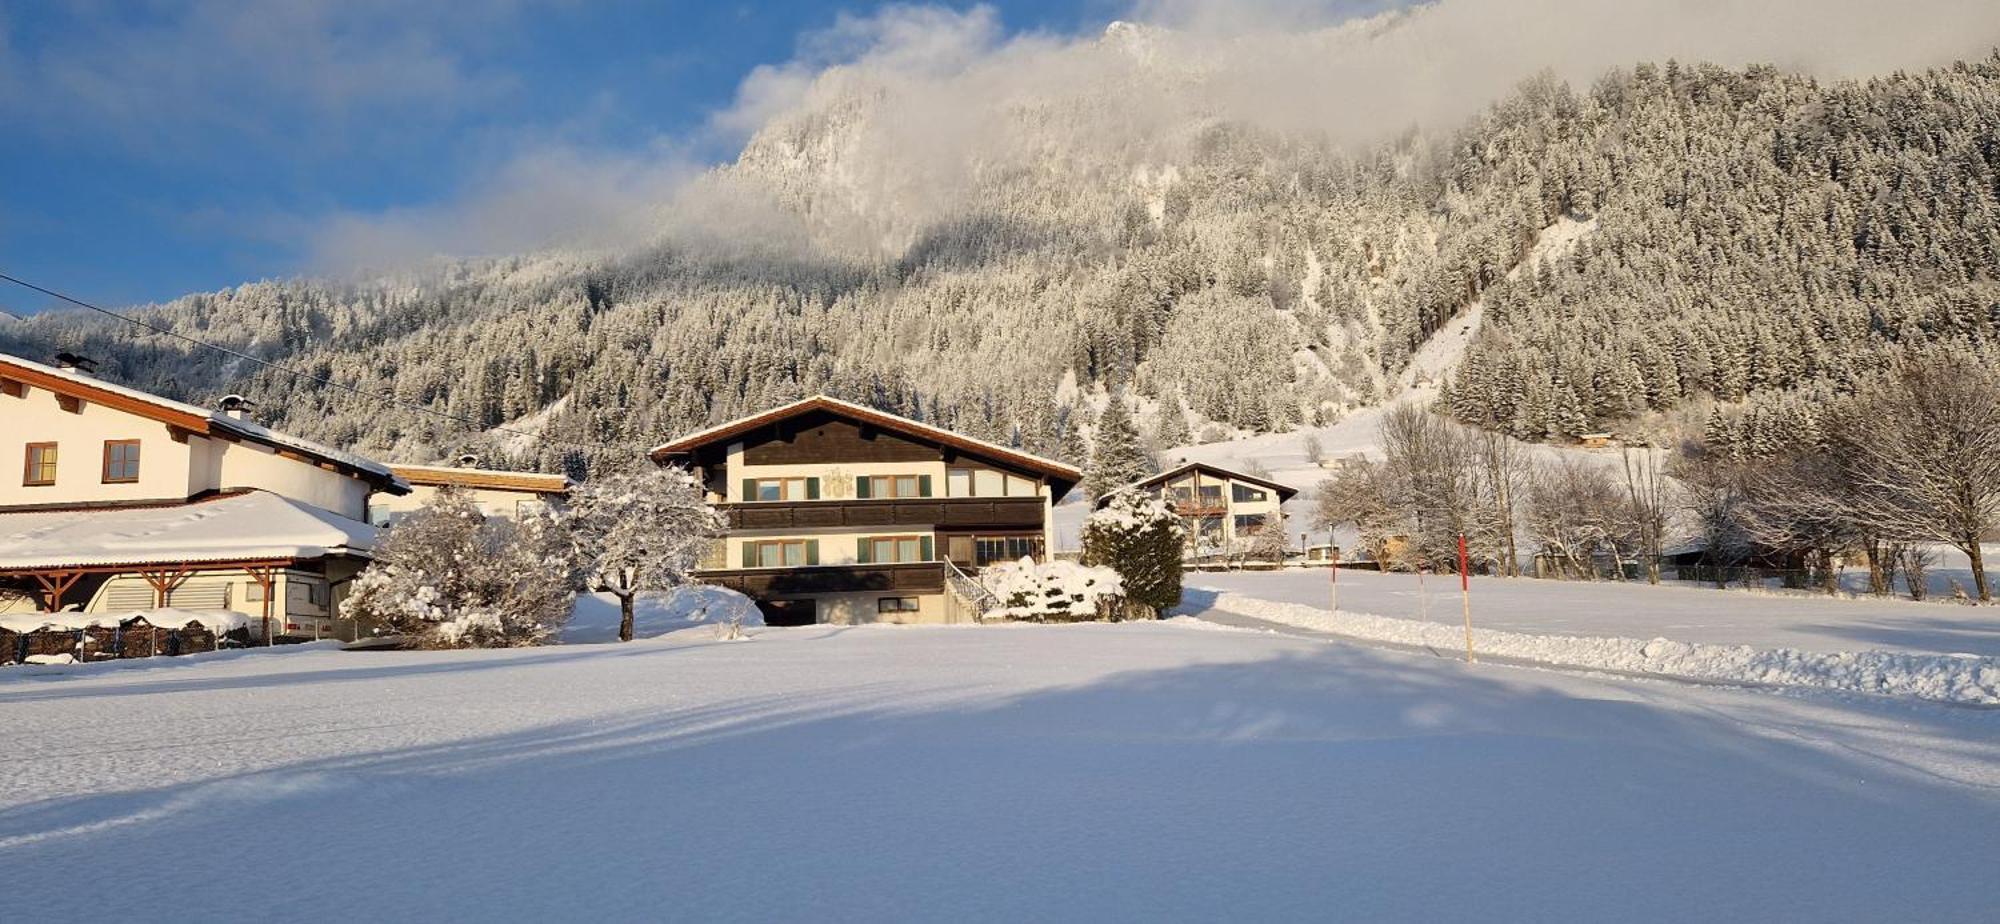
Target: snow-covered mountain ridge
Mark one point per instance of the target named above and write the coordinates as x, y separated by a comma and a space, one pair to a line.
1670, 234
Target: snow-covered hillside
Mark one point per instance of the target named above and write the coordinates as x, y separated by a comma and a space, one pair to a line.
1094, 772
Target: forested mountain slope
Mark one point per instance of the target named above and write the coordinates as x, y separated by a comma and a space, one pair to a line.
1754, 232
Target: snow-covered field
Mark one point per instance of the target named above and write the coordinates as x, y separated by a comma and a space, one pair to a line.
1632, 610
1124, 772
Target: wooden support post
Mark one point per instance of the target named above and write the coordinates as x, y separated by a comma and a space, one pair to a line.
266, 579
54, 585
165, 583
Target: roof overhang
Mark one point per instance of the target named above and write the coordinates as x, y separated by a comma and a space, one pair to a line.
490, 479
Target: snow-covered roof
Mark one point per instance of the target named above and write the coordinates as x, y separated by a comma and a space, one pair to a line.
1050, 467
250, 526
195, 419
1285, 492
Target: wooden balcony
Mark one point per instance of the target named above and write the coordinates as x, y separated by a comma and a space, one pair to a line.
954, 512
767, 583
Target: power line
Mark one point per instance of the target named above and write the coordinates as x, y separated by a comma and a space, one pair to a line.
304, 376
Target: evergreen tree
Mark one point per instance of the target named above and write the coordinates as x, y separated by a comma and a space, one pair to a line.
1116, 457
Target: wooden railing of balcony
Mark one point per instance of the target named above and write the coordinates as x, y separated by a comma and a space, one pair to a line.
765, 583
969, 512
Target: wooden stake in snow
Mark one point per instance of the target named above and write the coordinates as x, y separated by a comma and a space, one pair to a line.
1333, 576
1465, 594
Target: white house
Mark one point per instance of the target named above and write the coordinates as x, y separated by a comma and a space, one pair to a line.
129, 501
1219, 506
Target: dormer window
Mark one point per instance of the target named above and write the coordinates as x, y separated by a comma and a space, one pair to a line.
41, 465
121, 461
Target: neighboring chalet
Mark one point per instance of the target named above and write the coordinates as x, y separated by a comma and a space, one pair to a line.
510, 495
128, 501
1220, 506
838, 513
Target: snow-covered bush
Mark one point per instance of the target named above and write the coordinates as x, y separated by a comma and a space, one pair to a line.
1054, 591
446, 576
643, 529
1140, 537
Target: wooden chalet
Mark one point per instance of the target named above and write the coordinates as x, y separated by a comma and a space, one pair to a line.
841, 513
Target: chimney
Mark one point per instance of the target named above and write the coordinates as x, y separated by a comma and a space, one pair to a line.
70, 362
467, 460
236, 407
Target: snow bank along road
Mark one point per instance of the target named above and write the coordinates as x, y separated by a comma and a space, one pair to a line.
1602, 609
1129, 772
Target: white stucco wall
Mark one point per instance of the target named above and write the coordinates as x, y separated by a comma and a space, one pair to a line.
168, 470
494, 502
164, 465
862, 609
251, 465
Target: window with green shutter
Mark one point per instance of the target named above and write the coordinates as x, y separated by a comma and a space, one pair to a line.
812, 489
863, 487
812, 551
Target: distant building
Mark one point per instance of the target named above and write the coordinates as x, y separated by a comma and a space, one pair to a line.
130, 501
511, 495
839, 513
1595, 440
1219, 506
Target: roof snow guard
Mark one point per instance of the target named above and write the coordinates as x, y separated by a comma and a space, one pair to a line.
196, 420
250, 526
1065, 475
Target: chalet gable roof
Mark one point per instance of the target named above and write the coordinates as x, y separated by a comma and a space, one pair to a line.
1060, 475
196, 420
1285, 492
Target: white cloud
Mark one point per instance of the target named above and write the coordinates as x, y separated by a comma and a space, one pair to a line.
951, 89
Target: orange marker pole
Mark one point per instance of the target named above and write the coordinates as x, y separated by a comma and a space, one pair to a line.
1465, 593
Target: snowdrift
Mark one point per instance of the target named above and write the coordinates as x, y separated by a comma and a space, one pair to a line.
1965, 679
654, 614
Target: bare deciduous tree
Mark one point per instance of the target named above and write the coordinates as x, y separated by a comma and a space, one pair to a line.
1647, 505
1922, 449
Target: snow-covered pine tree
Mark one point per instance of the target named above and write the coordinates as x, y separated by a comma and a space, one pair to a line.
641, 529
1116, 457
1140, 537
1170, 426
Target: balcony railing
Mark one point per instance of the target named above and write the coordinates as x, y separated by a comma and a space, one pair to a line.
766, 583
966, 512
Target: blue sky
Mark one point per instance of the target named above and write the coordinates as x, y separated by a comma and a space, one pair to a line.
159, 147
155, 149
